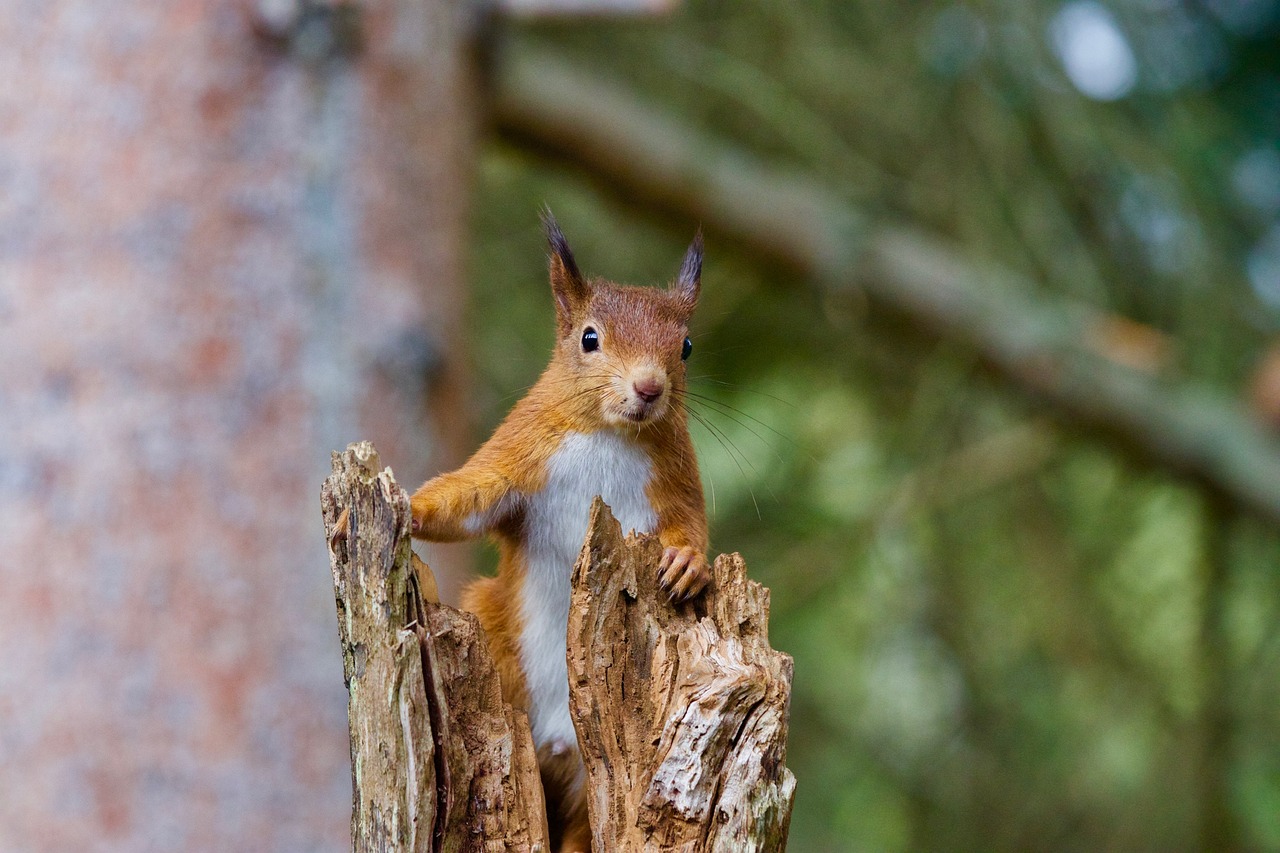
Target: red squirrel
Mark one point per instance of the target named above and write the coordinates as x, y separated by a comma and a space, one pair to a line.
607, 417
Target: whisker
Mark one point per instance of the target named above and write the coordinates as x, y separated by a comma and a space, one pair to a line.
569, 390
711, 430
729, 448
712, 483
783, 400
760, 438
726, 408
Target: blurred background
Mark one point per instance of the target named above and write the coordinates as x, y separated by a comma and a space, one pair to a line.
987, 376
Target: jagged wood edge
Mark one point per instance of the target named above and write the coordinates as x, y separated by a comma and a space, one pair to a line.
681, 712
439, 761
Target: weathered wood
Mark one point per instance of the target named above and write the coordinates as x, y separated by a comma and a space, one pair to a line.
439, 762
496, 793
681, 711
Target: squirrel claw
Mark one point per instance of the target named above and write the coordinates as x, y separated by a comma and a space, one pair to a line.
683, 572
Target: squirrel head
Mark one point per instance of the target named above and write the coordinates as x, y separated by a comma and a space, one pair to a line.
623, 348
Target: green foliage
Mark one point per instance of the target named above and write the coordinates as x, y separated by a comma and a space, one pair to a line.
1006, 635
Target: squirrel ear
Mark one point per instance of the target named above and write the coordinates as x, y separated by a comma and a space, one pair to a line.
689, 280
567, 284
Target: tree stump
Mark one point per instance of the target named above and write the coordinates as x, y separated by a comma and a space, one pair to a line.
438, 761
681, 712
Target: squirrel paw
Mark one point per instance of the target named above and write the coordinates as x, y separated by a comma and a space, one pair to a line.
683, 572
422, 508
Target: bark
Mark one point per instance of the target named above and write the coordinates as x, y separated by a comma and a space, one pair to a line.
1039, 344
438, 761
681, 711
231, 237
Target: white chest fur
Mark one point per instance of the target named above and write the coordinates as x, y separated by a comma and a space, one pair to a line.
585, 465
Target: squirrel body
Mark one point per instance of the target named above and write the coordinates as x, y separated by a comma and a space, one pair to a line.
607, 417
585, 464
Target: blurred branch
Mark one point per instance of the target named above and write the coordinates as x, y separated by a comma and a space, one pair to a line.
1038, 344
1220, 828
1009, 454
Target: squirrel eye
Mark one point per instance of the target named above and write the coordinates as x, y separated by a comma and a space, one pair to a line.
688, 348
590, 340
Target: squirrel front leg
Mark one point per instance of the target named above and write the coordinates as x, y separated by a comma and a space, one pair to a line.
461, 504
683, 570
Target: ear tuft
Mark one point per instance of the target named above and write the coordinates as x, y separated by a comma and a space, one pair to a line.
689, 279
560, 250
567, 284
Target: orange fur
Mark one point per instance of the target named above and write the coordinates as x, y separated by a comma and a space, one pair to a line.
641, 332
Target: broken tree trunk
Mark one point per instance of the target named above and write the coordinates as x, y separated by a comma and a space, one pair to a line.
681, 712
438, 760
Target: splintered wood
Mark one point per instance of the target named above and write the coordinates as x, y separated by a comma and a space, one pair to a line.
681, 712
438, 760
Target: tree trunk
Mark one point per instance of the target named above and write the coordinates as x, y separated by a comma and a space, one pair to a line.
217, 219
681, 712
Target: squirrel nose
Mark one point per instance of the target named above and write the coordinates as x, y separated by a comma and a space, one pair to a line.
649, 389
